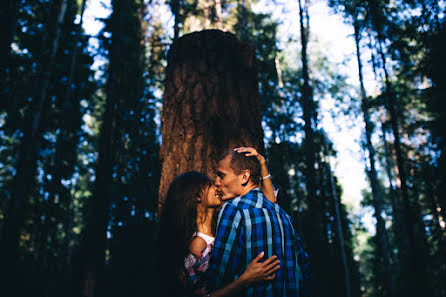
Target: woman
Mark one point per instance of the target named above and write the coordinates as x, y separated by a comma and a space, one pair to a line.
186, 238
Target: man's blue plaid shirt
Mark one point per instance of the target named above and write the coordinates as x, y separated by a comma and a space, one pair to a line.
248, 225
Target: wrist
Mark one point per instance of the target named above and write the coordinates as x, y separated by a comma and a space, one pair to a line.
244, 280
266, 176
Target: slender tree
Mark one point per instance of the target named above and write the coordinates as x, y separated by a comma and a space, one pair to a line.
26, 165
347, 279
373, 176
314, 237
93, 245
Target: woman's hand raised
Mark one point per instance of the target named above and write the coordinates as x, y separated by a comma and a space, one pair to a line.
249, 151
266, 184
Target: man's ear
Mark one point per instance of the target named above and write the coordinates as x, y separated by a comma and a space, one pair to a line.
246, 174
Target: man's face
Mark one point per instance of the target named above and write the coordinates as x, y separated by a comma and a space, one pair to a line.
229, 185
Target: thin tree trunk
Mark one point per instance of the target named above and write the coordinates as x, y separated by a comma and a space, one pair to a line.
414, 255
56, 188
94, 243
315, 237
211, 103
376, 191
26, 165
339, 227
176, 5
388, 166
242, 19
218, 15
307, 99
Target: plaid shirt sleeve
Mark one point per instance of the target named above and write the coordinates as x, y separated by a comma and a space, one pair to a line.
225, 264
305, 283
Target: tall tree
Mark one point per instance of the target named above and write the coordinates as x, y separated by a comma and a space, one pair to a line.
127, 169
211, 85
93, 245
373, 176
347, 279
313, 237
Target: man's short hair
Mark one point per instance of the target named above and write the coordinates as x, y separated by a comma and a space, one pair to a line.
240, 162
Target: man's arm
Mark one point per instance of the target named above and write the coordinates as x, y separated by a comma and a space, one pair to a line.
228, 249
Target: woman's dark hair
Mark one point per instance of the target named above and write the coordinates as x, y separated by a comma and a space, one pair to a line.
178, 223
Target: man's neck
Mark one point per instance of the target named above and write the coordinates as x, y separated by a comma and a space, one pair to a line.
247, 189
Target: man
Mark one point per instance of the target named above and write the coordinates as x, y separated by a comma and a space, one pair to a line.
248, 224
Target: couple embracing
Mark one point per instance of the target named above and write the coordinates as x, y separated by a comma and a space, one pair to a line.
202, 256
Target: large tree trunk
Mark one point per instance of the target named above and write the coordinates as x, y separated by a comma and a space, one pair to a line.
381, 232
211, 103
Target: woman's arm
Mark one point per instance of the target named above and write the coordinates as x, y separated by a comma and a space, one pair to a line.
266, 184
256, 272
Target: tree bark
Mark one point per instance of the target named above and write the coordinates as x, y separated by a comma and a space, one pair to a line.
211, 103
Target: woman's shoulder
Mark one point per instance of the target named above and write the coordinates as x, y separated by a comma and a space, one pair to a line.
197, 246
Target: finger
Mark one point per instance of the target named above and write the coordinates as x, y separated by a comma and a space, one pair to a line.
270, 277
259, 256
269, 260
272, 267
247, 152
244, 149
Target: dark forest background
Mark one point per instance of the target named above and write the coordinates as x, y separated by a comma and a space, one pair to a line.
79, 145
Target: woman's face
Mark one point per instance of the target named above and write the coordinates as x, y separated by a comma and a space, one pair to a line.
212, 199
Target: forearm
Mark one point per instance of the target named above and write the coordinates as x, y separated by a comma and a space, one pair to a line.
233, 288
266, 185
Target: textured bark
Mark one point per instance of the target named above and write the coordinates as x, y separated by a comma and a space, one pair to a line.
211, 103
